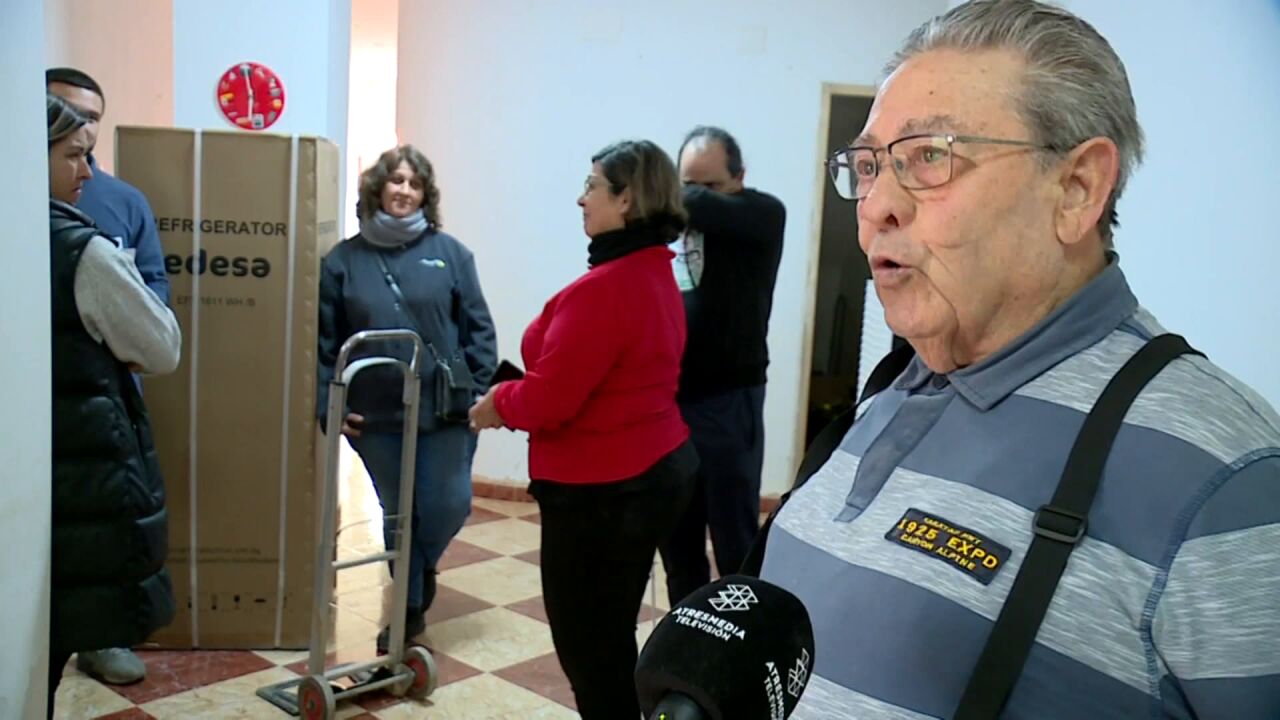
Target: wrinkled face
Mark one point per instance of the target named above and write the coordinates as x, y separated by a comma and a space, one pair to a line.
706, 163
404, 191
87, 102
952, 263
69, 166
602, 211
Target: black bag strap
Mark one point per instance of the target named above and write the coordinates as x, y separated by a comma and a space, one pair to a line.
1059, 526
403, 304
826, 442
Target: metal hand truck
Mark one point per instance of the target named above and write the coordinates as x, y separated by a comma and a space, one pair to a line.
409, 672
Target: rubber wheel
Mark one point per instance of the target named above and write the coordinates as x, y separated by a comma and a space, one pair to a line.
315, 699
425, 676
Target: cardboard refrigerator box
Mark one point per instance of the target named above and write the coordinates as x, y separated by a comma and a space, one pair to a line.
244, 221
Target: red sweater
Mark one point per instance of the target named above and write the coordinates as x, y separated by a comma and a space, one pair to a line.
602, 366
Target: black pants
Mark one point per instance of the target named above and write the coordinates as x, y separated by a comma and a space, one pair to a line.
728, 432
598, 544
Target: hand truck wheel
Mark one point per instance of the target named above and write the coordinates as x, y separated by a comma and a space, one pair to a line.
315, 699
425, 675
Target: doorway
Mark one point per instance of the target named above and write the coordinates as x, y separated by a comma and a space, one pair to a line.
838, 274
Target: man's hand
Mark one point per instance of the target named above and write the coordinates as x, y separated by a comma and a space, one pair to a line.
351, 425
484, 414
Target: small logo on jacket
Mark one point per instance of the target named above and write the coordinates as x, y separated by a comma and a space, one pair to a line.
432, 262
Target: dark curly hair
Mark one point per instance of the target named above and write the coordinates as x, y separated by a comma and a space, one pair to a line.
374, 179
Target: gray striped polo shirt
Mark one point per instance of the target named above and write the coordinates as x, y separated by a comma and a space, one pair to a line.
905, 543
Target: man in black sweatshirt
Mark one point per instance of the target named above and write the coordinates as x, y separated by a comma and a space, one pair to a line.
726, 269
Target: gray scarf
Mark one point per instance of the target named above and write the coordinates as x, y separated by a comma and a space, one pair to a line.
384, 231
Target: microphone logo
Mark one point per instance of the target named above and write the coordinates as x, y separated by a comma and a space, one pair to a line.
798, 676
735, 598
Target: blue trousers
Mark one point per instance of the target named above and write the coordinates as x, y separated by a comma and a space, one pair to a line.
441, 493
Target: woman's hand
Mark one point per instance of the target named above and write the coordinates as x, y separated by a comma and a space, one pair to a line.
351, 425
484, 414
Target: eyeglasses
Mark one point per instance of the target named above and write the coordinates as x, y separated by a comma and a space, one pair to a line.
592, 182
919, 162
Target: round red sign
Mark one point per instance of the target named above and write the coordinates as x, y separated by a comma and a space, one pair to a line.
250, 96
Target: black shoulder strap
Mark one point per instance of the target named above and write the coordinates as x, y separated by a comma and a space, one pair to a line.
826, 442
403, 304
1059, 526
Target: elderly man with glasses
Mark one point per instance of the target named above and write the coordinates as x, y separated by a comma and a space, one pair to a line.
1054, 509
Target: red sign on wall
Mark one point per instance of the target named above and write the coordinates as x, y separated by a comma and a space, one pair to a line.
251, 96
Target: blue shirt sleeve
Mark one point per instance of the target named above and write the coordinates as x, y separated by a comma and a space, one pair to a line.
148, 256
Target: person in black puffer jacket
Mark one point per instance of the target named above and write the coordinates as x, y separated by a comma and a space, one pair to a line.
110, 531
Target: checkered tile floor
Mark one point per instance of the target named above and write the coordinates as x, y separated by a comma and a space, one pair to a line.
487, 630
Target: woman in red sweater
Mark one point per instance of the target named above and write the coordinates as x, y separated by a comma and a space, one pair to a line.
609, 455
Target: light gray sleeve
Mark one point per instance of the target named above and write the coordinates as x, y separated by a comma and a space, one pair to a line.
117, 308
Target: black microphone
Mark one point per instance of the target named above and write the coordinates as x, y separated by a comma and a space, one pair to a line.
737, 649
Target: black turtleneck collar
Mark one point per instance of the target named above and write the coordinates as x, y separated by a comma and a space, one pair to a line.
637, 235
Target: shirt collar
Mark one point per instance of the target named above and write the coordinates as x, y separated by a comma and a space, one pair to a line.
1085, 318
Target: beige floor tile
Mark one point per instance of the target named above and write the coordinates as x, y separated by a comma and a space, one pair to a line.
373, 576
229, 699
282, 657
483, 697
491, 639
552, 711
499, 581
507, 507
354, 631
643, 631
655, 593
508, 537
81, 697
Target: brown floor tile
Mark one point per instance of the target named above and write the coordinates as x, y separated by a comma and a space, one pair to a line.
535, 518
533, 607
450, 603
451, 671
649, 612
499, 490
483, 515
130, 714
543, 676
170, 672
461, 553
533, 557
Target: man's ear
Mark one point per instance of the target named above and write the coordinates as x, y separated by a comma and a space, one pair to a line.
1087, 177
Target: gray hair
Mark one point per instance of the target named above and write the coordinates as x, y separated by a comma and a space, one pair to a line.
63, 119
1075, 86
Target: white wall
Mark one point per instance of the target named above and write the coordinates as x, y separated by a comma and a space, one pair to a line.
510, 99
306, 42
25, 426
127, 46
1199, 238
371, 115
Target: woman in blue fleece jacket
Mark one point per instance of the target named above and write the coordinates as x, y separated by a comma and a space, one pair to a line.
400, 226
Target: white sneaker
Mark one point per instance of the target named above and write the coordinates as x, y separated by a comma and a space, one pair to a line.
114, 666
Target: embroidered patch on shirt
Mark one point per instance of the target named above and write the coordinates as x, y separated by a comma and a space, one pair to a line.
432, 262
973, 554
